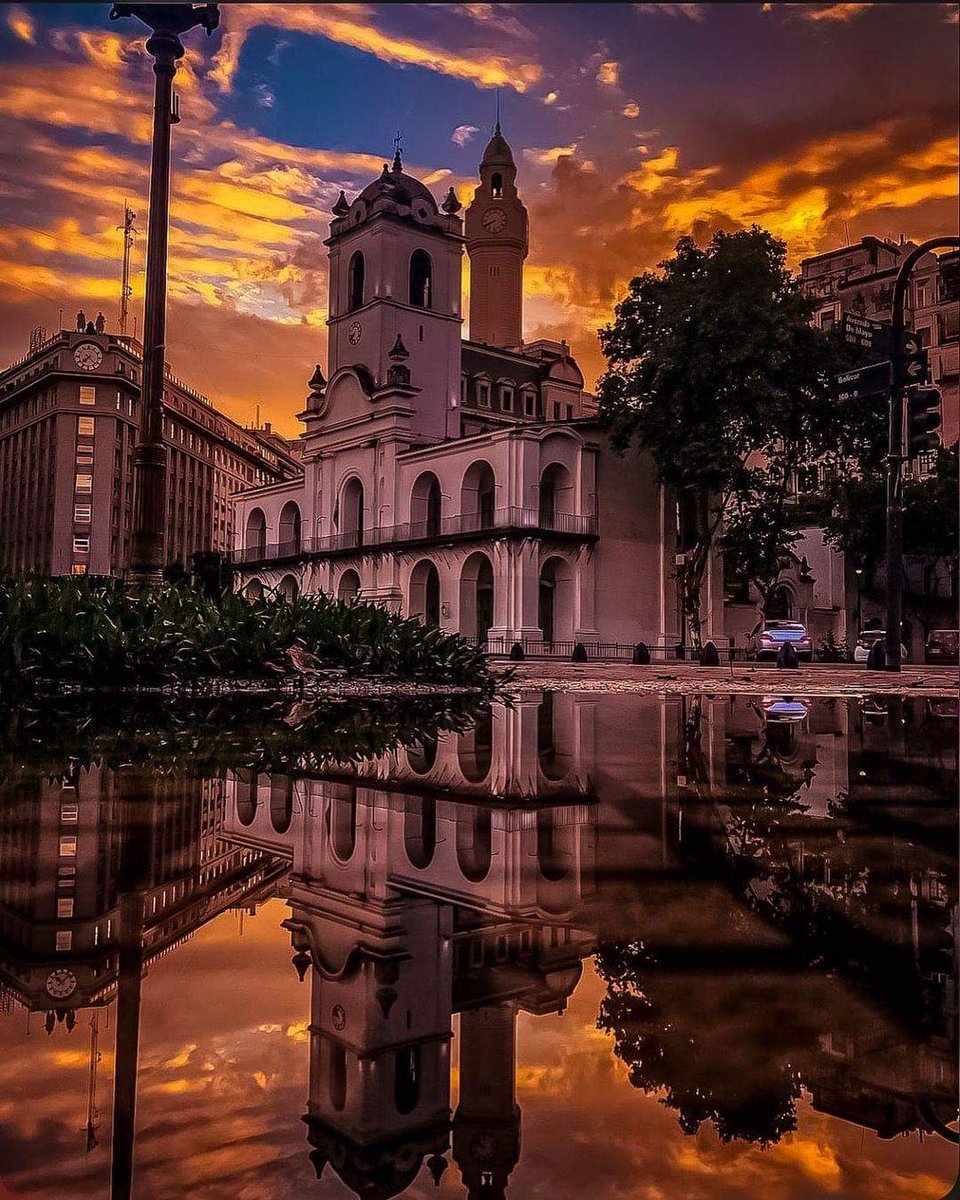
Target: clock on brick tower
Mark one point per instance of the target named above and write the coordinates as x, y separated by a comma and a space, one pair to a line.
497, 241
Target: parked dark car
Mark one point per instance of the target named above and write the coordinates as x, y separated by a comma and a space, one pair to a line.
943, 646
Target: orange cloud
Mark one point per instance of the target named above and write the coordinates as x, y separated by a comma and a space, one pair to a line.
21, 23
353, 25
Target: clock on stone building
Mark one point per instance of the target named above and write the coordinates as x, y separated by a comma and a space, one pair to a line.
494, 220
61, 983
88, 356
355, 333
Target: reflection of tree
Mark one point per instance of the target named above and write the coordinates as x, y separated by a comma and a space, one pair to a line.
253, 732
695, 1038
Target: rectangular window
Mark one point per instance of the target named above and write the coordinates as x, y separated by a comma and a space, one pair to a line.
556, 411
528, 403
84, 458
569, 412
82, 513
65, 907
506, 399
84, 483
923, 333
88, 394
483, 395
68, 846
827, 319
921, 295
64, 940
78, 569
81, 545
85, 426
69, 813
66, 872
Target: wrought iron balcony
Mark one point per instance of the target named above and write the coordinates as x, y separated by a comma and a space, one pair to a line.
464, 526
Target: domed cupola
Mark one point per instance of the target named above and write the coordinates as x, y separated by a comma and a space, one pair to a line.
498, 152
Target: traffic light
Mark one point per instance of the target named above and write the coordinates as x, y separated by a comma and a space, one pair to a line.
923, 420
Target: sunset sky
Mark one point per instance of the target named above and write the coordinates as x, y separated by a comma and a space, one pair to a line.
632, 125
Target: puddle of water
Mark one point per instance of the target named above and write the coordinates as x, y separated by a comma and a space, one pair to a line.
586, 946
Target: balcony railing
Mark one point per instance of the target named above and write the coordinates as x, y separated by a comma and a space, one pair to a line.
500, 520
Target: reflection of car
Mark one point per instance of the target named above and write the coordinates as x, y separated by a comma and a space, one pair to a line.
943, 646
767, 637
861, 652
783, 709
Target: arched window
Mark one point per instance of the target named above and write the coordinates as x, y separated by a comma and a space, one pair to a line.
425, 506
420, 831
478, 497
255, 539
496, 184
475, 844
349, 515
289, 588
254, 589
421, 279
290, 526
349, 588
281, 802
355, 281
556, 495
246, 796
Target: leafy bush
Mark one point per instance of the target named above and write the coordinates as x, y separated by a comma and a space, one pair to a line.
105, 634
833, 650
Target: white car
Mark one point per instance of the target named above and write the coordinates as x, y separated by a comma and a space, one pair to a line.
767, 637
865, 642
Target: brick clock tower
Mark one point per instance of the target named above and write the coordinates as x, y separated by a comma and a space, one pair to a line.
497, 234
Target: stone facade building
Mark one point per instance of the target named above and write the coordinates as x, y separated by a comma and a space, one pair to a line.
463, 481
68, 425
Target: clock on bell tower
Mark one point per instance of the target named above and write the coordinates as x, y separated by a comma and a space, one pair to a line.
496, 230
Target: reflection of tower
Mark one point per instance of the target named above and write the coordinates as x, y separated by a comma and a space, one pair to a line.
486, 1127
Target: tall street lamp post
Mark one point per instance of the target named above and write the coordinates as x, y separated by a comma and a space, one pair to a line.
168, 22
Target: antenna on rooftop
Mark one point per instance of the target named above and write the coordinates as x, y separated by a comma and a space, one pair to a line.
129, 216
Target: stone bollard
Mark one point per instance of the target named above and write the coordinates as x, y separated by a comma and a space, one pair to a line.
710, 656
787, 657
516, 653
579, 653
641, 655
877, 656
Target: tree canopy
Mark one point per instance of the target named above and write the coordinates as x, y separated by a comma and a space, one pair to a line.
716, 371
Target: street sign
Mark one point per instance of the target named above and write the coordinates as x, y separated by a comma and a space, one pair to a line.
873, 380
915, 360
863, 333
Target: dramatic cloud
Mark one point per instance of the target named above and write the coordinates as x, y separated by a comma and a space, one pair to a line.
463, 133
266, 145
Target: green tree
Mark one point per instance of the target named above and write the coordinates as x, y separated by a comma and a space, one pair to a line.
714, 368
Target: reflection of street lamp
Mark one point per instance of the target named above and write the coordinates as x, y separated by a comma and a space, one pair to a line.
167, 21
859, 574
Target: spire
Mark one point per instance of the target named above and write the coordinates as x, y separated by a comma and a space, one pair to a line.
397, 159
496, 128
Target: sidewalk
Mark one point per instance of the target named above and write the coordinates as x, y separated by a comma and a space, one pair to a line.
743, 678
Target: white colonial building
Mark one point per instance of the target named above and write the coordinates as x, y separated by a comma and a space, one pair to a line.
463, 481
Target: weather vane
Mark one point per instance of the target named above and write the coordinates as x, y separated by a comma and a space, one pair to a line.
398, 147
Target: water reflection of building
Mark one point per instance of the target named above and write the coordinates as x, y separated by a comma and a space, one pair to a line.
440, 881
101, 873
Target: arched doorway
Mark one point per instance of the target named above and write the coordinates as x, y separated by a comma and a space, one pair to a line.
290, 528
425, 593
476, 597
478, 497
556, 496
245, 791
420, 830
255, 536
779, 606
343, 821
254, 590
349, 588
349, 515
555, 602
425, 506
288, 588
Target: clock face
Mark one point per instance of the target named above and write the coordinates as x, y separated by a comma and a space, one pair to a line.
88, 356
61, 983
354, 333
494, 220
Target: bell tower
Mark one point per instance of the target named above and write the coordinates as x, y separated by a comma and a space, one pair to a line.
497, 233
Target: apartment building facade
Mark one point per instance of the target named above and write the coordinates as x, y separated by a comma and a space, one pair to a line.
69, 412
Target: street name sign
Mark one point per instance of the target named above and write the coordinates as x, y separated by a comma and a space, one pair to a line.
873, 380
864, 333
